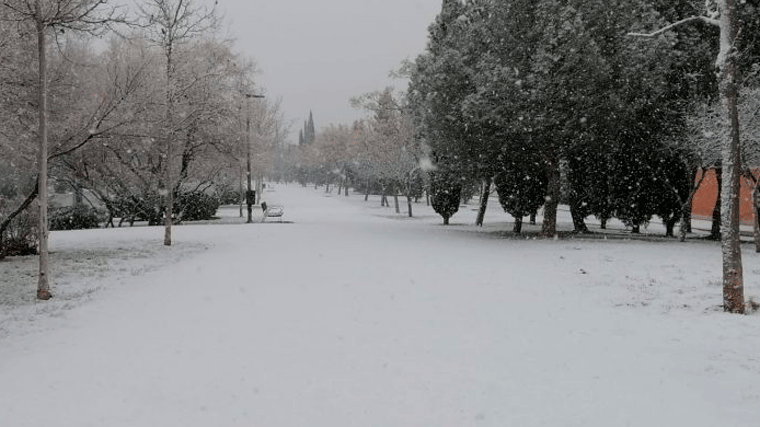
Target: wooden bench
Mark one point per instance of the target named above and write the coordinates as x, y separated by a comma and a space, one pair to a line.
274, 211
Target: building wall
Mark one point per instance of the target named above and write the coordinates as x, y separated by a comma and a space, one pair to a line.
705, 197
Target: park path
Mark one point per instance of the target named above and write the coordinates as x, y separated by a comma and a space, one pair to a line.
343, 318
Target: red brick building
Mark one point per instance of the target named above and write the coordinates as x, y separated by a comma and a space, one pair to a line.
705, 197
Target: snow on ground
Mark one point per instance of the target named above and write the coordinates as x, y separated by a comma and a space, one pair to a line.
350, 315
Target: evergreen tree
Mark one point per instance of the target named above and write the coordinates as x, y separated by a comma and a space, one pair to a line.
307, 134
445, 193
310, 129
440, 82
521, 183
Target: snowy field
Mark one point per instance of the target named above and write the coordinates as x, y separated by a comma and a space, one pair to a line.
350, 315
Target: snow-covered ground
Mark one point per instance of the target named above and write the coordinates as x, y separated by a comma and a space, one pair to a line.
350, 315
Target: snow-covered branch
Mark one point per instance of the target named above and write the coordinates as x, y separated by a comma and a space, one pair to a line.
706, 19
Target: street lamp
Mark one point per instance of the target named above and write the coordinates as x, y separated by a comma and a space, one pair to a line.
249, 194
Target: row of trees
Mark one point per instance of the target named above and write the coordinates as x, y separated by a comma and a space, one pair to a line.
611, 106
595, 94
141, 120
378, 153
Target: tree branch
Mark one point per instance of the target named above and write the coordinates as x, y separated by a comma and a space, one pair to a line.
704, 19
7, 221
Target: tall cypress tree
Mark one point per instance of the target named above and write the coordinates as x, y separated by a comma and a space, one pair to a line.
307, 135
310, 128
438, 85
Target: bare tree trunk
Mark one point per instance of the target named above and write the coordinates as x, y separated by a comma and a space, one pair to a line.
690, 205
579, 221
366, 191
549, 227
733, 278
43, 283
169, 186
685, 226
716, 215
78, 194
687, 216
517, 227
756, 214
259, 188
484, 194
395, 199
384, 197
409, 205
242, 192
7, 221
670, 225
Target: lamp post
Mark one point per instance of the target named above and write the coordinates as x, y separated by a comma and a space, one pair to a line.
249, 194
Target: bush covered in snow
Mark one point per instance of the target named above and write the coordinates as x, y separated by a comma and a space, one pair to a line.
74, 218
197, 206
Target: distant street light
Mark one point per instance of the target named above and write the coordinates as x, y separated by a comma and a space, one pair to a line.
249, 197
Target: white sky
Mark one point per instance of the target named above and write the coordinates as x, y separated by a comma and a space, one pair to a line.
318, 54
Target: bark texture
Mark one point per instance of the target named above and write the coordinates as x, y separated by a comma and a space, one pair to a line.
733, 278
517, 227
43, 282
483, 201
549, 227
716, 215
756, 215
169, 176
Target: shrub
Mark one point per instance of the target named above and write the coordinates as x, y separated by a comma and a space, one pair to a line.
445, 194
20, 238
74, 218
197, 206
229, 197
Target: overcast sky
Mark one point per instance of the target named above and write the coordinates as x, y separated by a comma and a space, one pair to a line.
317, 54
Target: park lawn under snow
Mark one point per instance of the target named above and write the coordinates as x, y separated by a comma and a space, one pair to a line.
352, 315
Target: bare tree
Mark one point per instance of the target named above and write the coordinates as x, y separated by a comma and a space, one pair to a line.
722, 14
49, 16
268, 121
129, 171
171, 23
393, 151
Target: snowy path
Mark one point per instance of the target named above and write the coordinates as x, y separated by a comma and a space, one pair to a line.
348, 319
